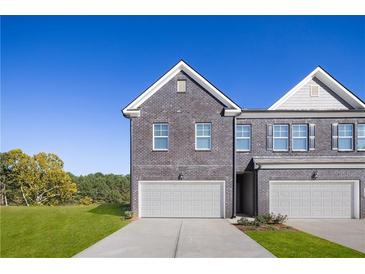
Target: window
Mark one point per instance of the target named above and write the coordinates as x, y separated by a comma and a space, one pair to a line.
361, 136
280, 137
314, 91
345, 137
160, 136
243, 137
203, 136
181, 85
300, 137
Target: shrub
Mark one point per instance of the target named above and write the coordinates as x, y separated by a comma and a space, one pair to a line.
128, 214
271, 218
246, 222
86, 200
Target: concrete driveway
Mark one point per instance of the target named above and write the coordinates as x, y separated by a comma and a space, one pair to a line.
347, 232
170, 238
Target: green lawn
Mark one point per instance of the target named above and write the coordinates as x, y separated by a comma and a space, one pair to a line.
60, 231
297, 244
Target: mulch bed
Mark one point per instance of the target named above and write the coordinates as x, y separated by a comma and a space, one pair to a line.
266, 227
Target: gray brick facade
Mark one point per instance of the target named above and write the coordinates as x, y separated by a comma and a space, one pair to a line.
182, 111
323, 148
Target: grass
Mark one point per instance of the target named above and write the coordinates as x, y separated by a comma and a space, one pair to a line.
297, 244
60, 231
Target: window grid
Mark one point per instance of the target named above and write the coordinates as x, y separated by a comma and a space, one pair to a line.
203, 132
280, 133
345, 134
361, 137
300, 133
160, 132
243, 133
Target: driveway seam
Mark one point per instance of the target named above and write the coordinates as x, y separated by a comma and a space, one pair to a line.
178, 239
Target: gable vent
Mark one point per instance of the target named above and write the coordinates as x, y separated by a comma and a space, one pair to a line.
314, 91
181, 85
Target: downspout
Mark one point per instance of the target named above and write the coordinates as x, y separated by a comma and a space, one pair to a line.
130, 163
234, 207
256, 168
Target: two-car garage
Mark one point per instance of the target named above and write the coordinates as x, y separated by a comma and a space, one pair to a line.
315, 199
175, 199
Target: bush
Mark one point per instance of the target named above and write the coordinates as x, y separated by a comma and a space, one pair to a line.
86, 200
246, 222
271, 218
128, 214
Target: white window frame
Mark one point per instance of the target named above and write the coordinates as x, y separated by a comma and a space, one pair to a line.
345, 137
167, 136
204, 136
293, 137
360, 137
244, 138
273, 138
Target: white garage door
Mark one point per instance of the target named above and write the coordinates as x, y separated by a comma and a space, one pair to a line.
181, 199
315, 199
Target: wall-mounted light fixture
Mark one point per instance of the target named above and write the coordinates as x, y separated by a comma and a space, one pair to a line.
314, 175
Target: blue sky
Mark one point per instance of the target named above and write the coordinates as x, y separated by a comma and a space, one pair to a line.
65, 79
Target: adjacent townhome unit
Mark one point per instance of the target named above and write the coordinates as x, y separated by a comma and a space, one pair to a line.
196, 153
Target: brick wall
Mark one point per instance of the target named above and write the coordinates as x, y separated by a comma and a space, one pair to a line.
181, 111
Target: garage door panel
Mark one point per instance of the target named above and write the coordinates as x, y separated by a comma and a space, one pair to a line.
181, 199
312, 199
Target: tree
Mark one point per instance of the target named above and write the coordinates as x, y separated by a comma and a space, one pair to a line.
39, 179
109, 188
17, 172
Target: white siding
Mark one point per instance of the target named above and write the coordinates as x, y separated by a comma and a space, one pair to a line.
301, 99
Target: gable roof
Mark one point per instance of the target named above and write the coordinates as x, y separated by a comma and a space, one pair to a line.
327, 79
132, 110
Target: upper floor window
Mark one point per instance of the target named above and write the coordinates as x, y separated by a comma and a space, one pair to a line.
280, 137
300, 137
203, 136
243, 137
160, 136
181, 85
361, 136
345, 137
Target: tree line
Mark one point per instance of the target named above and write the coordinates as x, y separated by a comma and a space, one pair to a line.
40, 179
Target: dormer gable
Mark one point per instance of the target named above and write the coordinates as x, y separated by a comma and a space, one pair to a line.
318, 91
133, 109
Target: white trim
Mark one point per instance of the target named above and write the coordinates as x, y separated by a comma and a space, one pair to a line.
346, 137
306, 138
311, 91
181, 66
205, 136
177, 85
359, 137
311, 166
284, 138
223, 182
283, 114
327, 79
244, 138
355, 186
153, 137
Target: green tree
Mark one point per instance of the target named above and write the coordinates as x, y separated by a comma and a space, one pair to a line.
39, 179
